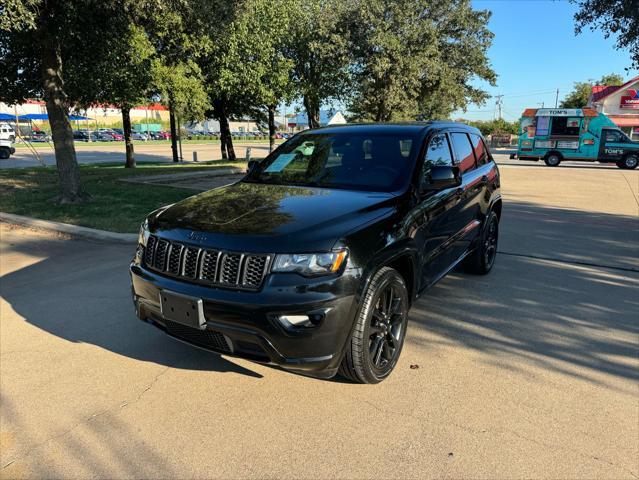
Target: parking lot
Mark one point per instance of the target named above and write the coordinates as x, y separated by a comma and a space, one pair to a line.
148, 152
530, 372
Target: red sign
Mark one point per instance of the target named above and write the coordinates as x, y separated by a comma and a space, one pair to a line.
631, 100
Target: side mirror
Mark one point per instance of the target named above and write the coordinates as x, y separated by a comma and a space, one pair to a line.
441, 177
251, 165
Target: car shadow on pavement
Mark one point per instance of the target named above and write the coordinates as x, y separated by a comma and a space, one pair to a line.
572, 309
80, 291
98, 446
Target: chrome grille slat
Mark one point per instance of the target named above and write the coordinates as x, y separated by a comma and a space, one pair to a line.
175, 258
160, 254
254, 269
149, 250
191, 257
206, 266
208, 269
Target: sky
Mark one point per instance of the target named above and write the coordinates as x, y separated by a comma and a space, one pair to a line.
535, 51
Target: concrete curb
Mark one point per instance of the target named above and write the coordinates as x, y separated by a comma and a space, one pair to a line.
74, 230
164, 177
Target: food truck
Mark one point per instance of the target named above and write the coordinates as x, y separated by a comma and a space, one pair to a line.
575, 134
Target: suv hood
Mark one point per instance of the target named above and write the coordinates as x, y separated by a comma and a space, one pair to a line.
256, 217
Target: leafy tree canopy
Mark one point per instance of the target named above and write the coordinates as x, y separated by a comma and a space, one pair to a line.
618, 18
417, 59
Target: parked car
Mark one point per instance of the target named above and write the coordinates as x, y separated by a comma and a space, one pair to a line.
39, 136
337, 233
7, 132
6, 149
139, 136
160, 136
104, 136
84, 136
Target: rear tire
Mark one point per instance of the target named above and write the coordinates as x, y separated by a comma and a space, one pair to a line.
553, 159
4, 153
629, 162
482, 259
380, 328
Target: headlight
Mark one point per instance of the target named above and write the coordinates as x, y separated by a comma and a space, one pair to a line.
310, 264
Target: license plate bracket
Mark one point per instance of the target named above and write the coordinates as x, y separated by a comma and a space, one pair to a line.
182, 309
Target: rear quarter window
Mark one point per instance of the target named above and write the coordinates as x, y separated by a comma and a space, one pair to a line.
480, 149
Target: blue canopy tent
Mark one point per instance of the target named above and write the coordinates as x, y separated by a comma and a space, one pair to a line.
7, 117
43, 116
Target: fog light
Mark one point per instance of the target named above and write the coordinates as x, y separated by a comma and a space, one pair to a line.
295, 320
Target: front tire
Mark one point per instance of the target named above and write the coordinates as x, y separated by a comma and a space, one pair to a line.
380, 329
4, 153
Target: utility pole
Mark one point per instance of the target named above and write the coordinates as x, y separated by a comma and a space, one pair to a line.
557, 98
498, 104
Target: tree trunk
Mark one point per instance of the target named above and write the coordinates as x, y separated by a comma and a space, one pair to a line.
71, 190
271, 127
312, 106
126, 126
174, 147
227, 140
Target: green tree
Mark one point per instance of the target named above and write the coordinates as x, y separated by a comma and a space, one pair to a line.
417, 58
618, 18
580, 94
36, 37
125, 44
499, 125
259, 36
320, 52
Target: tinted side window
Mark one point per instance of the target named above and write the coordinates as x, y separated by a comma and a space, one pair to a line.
463, 151
479, 147
438, 152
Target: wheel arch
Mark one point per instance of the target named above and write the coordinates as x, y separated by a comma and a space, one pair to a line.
553, 152
404, 260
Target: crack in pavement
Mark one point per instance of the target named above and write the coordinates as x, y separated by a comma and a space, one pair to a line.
90, 418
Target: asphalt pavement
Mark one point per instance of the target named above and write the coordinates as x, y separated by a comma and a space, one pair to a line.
529, 372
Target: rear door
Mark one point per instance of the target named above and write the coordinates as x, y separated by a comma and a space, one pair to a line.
468, 210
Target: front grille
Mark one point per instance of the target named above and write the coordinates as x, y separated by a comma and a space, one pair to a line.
204, 338
230, 270
211, 267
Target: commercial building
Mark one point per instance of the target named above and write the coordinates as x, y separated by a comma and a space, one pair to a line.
620, 104
103, 115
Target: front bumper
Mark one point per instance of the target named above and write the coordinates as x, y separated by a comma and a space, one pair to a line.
244, 323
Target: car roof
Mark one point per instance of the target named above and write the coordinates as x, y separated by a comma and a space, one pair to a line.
413, 128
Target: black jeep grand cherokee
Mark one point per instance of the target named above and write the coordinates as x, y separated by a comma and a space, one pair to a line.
313, 259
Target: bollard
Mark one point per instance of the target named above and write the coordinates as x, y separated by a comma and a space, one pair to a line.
195, 157
248, 154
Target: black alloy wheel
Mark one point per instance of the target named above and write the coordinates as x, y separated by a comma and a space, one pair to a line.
482, 259
386, 328
380, 328
490, 242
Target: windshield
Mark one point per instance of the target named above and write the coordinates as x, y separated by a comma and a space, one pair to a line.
372, 162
